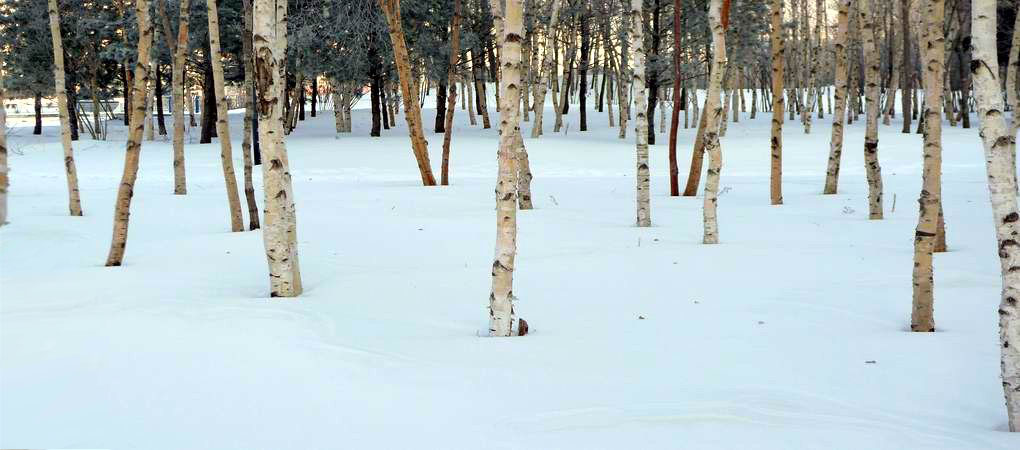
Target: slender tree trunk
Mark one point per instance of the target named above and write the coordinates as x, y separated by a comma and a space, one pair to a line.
4, 182
180, 60
451, 81
280, 228
933, 50
1002, 187
315, 94
839, 113
38, 114
222, 124
718, 17
698, 154
150, 98
501, 301
965, 59
874, 171
776, 37
644, 213
208, 104
674, 171
1012, 89
653, 74
249, 116
547, 69
122, 209
160, 117
74, 198
582, 70
907, 62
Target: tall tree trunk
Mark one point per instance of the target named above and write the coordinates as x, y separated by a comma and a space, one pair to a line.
1013, 87
718, 18
582, 70
1002, 191
208, 104
965, 57
674, 171
315, 94
907, 63
547, 69
280, 227
122, 209
933, 50
501, 300
249, 116
442, 92
412, 112
874, 171
160, 117
74, 198
776, 37
451, 99
653, 74
644, 211
838, 114
180, 60
222, 124
37, 130
4, 182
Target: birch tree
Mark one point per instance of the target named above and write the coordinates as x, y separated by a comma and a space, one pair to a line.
547, 68
222, 124
866, 19
839, 113
74, 197
412, 109
776, 38
1001, 169
1013, 87
644, 213
280, 222
451, 97
718, 17
933, 50
180, 60
502, 316
122, 209
249, 116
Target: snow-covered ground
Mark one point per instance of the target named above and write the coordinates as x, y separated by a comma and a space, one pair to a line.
789, 334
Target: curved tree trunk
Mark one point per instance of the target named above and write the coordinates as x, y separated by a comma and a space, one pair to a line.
451, 98
222, 124
74, 198
122, 209
280, 225
718, 18
501, 300
412, 110
776, 38
1002, 191
838, 114
932, 50
180, 60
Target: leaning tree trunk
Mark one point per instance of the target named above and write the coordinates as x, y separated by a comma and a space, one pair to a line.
412, 110
222, 124
249, 117
180, 60
839, 114
932, 50
74, 198
874, 171
122, 209
451, 97
501, 300
280, 217
547, 68
718, 17
3, 157
776, 38
1002, 190
644, 210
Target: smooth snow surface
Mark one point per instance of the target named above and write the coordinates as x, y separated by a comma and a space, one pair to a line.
789, 334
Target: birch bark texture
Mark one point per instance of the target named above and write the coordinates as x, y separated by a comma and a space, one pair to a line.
280, 218
1013, 87
122, 208
1002, 192
501, 299
222, 126
249, 117
547, 68
866, 19
74, 197
776, 39
932, 50
839, 113
412, 109
718, 12
180, 60
451, 97
644, 213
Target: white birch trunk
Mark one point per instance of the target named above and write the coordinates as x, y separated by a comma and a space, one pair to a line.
871, 89
713, 112
74, 197
180, 60
839, 113
222, 124
776, 41
547, 68
637, 54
